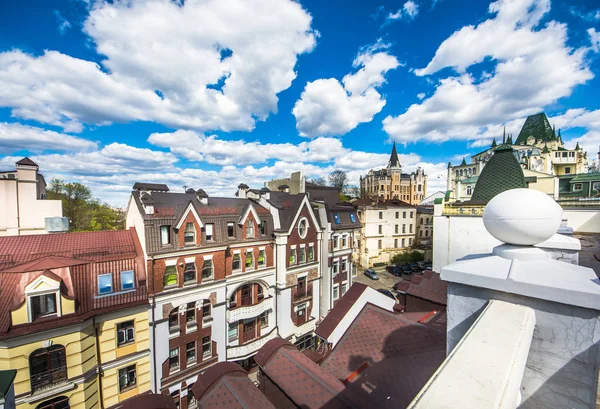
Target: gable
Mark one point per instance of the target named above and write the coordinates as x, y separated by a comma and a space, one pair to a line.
42, 283
190, 209
249, 210
305, 206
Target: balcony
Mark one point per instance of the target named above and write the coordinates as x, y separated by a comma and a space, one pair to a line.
242, 351
305, 328
48, 379
303, 294
249, 311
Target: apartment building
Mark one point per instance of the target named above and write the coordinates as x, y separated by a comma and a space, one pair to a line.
73, 319
424, 237
23, 201
388, 227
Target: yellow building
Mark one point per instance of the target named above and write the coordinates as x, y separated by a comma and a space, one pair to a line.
74, 320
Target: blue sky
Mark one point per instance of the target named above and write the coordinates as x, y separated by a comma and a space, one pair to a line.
213, 93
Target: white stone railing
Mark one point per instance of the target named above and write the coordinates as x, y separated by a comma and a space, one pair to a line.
485, 369
242, 351
306, 327
251, 311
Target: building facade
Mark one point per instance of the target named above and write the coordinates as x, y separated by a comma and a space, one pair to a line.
387, 228
424, 236
74, 319
23, 200
541, 153
391, 184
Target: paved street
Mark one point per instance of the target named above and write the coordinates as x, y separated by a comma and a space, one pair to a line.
386, 280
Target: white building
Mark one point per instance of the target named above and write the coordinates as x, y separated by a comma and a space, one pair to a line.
387, 229
23, 200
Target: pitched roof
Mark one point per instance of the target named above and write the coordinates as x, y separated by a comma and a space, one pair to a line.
26, 162
288, 206
226, 385
158, 187
302, 380
501, 173
46, 263
150, 401
537, 126
394, 161
401, 355
339, 311
6, 381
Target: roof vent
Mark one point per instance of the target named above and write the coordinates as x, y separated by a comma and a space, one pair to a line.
284, 188
190, 191
202, 196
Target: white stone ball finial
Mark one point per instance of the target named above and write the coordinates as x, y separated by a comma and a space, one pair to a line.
522, 217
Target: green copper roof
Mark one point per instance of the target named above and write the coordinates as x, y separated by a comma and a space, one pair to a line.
537, 126
494, 144
464, 162
577, 146
472, 179
394, 161
545, 150
501, 173
586, 177
509, 140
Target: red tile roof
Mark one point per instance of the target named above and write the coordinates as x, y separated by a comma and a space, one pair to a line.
303, 381
340, 310
401, 355
226, 386
46, 263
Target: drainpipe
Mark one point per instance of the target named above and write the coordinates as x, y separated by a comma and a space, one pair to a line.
100, 371
153, 329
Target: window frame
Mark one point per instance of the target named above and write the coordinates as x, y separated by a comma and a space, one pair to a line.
575, 189
208, 353
32, 304
231, 233
336, 292
249, 229
336, 218
165, 235
310, 256
264, 258
239, 261
189, 232
211, 227
174, 273
249, 257
189, 360
352, 217
174, 357
187, 270
124, 328
126, 371
132, 280
111, 290
208, 264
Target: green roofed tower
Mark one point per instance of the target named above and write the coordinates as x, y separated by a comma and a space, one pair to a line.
538, 127
501, 173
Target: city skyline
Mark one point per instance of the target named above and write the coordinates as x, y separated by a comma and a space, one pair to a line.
93, 96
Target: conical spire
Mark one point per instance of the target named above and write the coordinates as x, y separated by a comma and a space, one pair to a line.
394, 161
449, 165
509, 140
494, 144
464, 162
577, 146
545, 150
554, 130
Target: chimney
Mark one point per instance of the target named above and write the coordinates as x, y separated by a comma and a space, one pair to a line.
284, 188
242, 191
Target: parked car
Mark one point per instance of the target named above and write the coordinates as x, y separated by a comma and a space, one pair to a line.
414, 267
406, 269
371, 274
394, 269
427, 265
388, 293
395, 286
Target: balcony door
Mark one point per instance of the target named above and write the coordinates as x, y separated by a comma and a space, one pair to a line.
249, 330
48, 367
247, 294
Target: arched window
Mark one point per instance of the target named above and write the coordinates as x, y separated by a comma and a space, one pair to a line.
170, 278
461, 172
47, 367
260, 292
457, 173
469, 189
61, 402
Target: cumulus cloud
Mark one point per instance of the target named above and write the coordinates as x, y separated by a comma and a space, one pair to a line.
594, 39
330, 107
409, 10
465, 107
216, 64
63, 23
15, 136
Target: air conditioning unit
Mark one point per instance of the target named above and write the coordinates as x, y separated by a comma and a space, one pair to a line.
57, 224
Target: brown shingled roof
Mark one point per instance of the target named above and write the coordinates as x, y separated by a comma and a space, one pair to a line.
150, 401
340, 310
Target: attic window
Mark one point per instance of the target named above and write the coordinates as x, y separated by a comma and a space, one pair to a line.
189, 237
336, 218
303, 227
164, 235
353, 218
43, 305
249, 229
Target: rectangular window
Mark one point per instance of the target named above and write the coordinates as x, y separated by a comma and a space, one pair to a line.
397, 215
567, 170
379, 244
381, 215
190, 352
404, 228
404, 215
174, 322
127, 377
409, 242
190, 312
396, 229
336, 218
105, 285
164, 235
402, 243
43, 305
249, 229
578, 186
344, 266
125, 333
344, 288
206, 347
191, 401
233, 331
302, 255
411, 213
293, 256
189, 235
571, 154
170, 278
336, 267
249, 259
564, 154
263, 228
410, 228
210, 231
262, 258
352, 218
311, 252
127, 280
380, 229
207, 269
336, 292
230, 230
175, 397
236, 262
421, 233
344, 241
264, 319
189, 275
395, 243
336, 242
206, 310
174, 358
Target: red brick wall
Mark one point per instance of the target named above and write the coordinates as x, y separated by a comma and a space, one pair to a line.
295, 239
255, 250
218, 259
253, 220
190, 218
294, 314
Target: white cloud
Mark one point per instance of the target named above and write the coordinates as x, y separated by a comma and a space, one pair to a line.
463, 107
215, 64
421, 95
14, 137
582, 118
594, 39
409, 10
328, 107
63, 23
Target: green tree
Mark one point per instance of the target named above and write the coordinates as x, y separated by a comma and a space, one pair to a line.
317, 181
339, 179
83, 211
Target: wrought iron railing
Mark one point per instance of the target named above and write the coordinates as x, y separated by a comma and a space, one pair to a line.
47, 379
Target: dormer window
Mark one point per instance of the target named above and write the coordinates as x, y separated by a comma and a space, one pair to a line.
105, 284
353, 218
210, 232
164, 235
336, 218
249, 229
43, 305
189, 236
